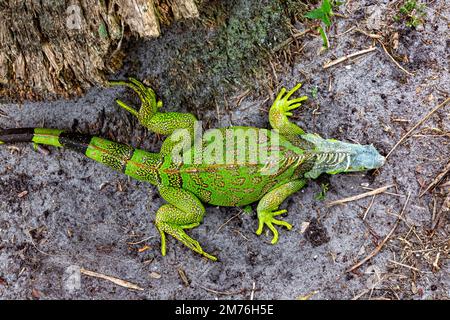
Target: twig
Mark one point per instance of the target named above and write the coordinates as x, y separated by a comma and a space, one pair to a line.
35, 246
370, 35
183, 277
404, 265
226, 222
368, 208
242, 97
386, 192
359, 295
140, 241
345, 32
445, 208
393, 60
349, 56
417, 125
252, 294
360, 196
431, 135
436, 261
240, 233
340, 15
437, 179
382, 243
117, 281
307, 296
291, 39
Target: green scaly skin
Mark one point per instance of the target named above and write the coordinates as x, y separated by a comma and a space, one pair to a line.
187, 185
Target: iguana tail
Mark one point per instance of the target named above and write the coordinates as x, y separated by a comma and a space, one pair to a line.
118, 156
39, 136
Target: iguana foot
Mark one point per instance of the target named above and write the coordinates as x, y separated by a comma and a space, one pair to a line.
268, 207
178, 233
284, 104
173, 221
149, 114
146, 94
267, 218
281, 110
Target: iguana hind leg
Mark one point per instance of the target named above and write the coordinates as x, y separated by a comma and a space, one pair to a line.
281, 110
149, 116
268, 206
184, 211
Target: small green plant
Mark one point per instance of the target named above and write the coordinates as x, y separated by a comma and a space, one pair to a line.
412, 13
324, 14
323, 192
314, 92
247, 210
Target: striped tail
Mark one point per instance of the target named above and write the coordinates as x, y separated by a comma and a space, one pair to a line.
136, 163
112, 154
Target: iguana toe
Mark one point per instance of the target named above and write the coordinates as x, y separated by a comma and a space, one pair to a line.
267, 218
178, 233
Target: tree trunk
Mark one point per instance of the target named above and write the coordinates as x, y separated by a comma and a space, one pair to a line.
57, 48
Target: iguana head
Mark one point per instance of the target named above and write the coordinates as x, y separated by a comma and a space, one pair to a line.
333, 156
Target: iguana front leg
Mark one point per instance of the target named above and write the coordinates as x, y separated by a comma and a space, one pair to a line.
270, 202
281, 110
184, 211
165, 123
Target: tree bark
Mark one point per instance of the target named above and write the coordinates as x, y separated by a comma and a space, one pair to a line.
57, 48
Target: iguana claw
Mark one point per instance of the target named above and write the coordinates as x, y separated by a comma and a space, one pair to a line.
147, 95
284, 104
178, 233
267, 218
280, 111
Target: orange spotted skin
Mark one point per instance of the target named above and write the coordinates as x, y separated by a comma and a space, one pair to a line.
239, 184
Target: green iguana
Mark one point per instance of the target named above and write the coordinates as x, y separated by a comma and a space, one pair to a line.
188, 171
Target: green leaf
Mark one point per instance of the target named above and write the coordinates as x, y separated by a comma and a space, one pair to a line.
315, 14
326, 20
404, 10
247, 209
326, 7
323, 13
324, 37
323, 192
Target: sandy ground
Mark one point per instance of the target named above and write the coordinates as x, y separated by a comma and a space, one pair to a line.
60, 212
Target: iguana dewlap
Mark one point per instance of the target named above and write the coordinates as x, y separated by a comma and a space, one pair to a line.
232, 166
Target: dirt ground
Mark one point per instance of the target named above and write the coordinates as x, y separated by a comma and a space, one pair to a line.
61, 213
